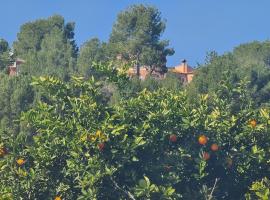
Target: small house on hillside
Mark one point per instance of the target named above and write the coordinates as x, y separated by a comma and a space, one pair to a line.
144, 71
183, 71
14, 69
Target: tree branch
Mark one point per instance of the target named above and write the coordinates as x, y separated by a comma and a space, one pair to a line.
122, 190
212, 191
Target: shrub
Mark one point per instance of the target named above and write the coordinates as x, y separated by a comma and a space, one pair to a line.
75, 147
260, 190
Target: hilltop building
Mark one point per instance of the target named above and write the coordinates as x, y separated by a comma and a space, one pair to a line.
183, 71
14, 69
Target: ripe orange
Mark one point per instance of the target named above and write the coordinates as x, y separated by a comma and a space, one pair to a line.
202, 140
214, 147
3, 151
206, 156
57, 198
101, 146
253, 123
173, 138
20, 161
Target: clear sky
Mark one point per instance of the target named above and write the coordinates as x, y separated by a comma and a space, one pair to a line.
193, 26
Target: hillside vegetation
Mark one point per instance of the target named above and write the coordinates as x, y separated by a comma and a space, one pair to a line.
248, 61
74, 126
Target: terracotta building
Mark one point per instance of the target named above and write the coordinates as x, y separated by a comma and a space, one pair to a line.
183, 71
14, 69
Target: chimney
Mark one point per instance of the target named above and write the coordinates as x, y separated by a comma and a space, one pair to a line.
184, 63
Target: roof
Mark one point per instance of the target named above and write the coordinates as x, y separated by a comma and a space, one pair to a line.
20, 61
183, 68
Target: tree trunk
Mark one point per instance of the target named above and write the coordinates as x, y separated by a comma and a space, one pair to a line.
137, 68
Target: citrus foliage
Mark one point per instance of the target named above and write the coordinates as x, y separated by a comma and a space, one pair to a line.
260, 190
155, 145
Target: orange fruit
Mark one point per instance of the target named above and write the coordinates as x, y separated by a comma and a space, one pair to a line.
253, 123
214, 147
57, 198
3, 151
20, 161
206, 156
101, 146
202, 140
173, 138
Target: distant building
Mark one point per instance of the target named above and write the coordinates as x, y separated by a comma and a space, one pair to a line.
183, 71
14, 69
144, 72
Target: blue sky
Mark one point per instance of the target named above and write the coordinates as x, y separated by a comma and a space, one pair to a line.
193, 26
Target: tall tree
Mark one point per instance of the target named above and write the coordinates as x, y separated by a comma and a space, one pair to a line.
4, 54
56, 54
16, 95
47, 45
91, 51
136, 37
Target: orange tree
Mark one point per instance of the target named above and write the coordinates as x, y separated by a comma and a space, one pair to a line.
152, 146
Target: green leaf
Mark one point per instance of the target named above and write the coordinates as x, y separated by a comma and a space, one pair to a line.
139, 141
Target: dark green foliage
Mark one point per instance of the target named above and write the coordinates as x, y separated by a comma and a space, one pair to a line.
91, 51
31, 34
136, 37
135, 86
208, 76
16, 95
171, 82
5, 58
249, 61
48, 47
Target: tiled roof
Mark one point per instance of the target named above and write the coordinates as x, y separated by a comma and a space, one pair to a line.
183, 68
184, 71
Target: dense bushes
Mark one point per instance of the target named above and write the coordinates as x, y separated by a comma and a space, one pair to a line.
16, 96
250, 60
147, 147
